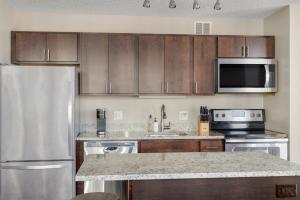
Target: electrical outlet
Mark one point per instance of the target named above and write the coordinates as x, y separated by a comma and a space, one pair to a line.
183, 115
118, 115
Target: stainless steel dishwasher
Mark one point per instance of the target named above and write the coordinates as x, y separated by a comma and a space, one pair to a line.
107, 147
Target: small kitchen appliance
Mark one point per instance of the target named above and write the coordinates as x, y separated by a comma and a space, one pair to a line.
244, 131
101, 121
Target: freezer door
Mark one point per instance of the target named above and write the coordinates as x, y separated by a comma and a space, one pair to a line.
37, 113
37, 181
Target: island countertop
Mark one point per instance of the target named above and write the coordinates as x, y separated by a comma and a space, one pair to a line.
184, 166
135, 135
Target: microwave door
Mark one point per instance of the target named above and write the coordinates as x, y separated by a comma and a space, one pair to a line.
245, 76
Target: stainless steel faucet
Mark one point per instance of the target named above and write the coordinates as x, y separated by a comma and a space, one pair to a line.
163, 115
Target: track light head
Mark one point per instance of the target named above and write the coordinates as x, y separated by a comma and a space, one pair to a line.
217, 5
172, 4
196, 5
146, 4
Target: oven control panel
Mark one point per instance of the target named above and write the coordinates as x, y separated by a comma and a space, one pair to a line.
250, 115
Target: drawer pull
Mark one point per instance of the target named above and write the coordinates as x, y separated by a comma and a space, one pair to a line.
212, 147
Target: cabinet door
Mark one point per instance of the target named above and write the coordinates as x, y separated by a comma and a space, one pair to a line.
123, 64
178, 64
79, 161
28, 47
231, 47
93, 63
62, 47
164, 146
260, 47
211, 145
151, 64
205, 54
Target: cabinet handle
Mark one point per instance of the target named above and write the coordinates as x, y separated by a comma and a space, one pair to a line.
110, 87
106, 87
167, 87
212, 148
196, 87
48, 54
243, 51
247, 51
45, 54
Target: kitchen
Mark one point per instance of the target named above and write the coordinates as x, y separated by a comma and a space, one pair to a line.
129, 113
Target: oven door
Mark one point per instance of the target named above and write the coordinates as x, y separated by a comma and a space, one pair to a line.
276, 149
246, 75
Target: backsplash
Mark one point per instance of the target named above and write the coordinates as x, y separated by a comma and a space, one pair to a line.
137, 110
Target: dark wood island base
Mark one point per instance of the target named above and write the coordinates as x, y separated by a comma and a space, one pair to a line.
253, 188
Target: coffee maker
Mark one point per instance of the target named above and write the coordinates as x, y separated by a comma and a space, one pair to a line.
101, 121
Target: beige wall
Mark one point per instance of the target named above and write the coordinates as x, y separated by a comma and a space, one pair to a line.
137, 110
294, 83
277, 106
6, 24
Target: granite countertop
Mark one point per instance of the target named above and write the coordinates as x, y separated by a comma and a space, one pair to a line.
184, 166
132, 135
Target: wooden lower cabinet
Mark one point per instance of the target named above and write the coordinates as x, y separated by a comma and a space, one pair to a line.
254, 188
212, 145
79, 161
165, 146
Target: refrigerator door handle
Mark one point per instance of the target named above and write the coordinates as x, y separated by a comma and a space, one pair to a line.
33, 167
70, 123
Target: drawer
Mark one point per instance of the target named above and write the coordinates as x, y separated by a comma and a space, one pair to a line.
163, 146
212, 146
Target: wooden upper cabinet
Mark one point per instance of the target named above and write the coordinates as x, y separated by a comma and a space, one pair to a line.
260, 47
45, 48
231, 46
93, 63
62, 47
151, 64
205, 55
123, 64
246, 47
178, 64
28, 47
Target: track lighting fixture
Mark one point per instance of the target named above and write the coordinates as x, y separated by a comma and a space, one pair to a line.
217, 5
146, 4
172, 4
196, 4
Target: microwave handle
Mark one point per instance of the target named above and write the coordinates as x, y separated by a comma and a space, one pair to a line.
267, 81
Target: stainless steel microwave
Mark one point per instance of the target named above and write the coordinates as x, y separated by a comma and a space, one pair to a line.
246, 75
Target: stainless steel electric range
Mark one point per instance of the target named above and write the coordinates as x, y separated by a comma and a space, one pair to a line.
244, 131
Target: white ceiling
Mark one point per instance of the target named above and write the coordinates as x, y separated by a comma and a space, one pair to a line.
230, 8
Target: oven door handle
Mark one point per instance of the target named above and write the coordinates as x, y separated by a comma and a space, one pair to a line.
267, 81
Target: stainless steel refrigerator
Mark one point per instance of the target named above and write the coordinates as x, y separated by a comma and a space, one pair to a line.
37, 132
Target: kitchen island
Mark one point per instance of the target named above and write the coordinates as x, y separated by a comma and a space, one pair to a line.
208, 176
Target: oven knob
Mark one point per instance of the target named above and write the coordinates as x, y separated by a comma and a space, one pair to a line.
258, 115
217, 115
223, 115
252, 115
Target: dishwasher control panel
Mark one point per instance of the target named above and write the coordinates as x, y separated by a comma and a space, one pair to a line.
105, 147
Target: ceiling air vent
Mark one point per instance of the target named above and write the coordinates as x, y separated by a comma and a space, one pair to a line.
202, 28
